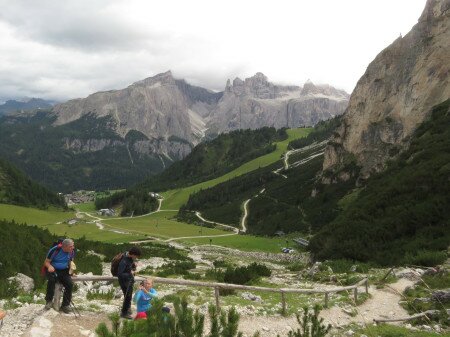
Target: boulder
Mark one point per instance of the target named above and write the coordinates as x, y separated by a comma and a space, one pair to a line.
23, 282
251, 297
442, 296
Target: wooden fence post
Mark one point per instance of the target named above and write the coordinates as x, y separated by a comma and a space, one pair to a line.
355, 293
367, 286
283, 303
57, 296
326, 300
216, 294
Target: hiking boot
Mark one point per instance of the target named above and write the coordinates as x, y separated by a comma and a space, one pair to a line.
48, 305
65, 309
126, 316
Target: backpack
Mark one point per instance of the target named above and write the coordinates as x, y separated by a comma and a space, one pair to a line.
58, 245
115, 264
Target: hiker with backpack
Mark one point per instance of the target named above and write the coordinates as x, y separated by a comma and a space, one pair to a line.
56, 268
125, 273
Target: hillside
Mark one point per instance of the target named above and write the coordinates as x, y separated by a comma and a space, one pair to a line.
26, 105
402, 214
286, 202
84, 154
395, 94
16, 188
399, 216
114, 139
227, 156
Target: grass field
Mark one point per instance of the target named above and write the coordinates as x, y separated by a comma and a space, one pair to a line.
174, 199
53, 221
33, 216
244, 242
86, 207
161, 225
91, 232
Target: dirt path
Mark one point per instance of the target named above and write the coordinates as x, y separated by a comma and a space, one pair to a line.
383, 303
199, 215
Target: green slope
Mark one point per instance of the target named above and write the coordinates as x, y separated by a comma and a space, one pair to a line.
214, 158
43, 151
174, 199
403, 214
16, 188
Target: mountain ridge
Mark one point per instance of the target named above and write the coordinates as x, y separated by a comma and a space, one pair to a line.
395, 94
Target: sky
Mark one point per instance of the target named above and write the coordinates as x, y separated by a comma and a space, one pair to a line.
59, 50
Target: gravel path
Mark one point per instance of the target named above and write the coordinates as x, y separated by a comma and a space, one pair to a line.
32, 321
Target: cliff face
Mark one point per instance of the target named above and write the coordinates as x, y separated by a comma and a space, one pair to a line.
174, 115
395, 94
158, 107
256, 102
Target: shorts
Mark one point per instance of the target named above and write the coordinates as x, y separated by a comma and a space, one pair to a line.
141, 315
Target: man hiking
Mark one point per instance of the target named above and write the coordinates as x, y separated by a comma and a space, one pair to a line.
57, 264
125, 274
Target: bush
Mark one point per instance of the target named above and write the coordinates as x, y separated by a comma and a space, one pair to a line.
425, 258
246, 275
176, 268
185, 323
310, 324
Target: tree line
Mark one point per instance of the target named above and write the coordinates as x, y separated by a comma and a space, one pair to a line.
16, 188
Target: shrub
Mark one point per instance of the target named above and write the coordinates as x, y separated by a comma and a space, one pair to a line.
310, 324
246, 275
426, 258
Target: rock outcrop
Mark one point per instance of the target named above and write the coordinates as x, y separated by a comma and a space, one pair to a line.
158, 107
173, 116
255, 102
23, 282
395, 94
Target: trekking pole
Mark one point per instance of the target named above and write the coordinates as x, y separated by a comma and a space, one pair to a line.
75, 310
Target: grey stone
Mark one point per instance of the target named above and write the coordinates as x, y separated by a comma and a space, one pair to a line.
23, 282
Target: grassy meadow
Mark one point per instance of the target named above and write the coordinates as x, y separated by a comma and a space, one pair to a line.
162, 224
174, 199
33, 216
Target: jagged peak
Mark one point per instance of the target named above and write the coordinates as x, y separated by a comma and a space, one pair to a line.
163, 78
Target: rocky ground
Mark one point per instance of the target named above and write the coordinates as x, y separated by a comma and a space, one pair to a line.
30, 320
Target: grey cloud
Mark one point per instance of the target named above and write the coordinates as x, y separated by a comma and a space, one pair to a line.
76, 24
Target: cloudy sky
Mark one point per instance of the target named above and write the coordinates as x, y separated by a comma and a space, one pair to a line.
58, 50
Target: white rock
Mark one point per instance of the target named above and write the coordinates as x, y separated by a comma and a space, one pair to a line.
426, 327
23, 282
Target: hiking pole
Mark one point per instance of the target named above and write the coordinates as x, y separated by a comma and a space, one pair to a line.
75, 309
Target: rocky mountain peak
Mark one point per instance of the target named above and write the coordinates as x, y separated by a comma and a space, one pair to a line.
165, 78
395, 94
309, 88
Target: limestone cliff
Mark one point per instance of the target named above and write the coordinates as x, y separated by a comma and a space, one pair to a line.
395, 94
174, 115
159, 107
255, 102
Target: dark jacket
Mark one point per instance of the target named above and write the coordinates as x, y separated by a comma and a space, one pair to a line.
126, 265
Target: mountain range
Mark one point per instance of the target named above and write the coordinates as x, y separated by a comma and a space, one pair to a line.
165, 108
24, 105
115, 138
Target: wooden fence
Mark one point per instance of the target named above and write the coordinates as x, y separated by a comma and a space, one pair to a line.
217, 286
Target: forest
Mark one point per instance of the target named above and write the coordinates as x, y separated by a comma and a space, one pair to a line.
17, 189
